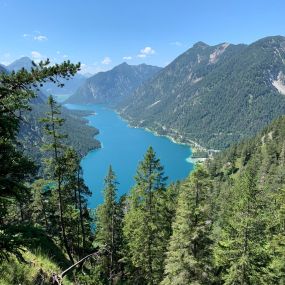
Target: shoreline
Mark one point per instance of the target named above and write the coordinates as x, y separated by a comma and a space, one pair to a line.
194, 146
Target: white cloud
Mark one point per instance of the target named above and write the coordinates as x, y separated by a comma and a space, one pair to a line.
147, 51
178, 44
107, 60
91, 69
127, 57
36, 36
40, 38
36, 55
65, 56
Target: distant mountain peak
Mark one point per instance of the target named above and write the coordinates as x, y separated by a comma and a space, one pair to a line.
122, 65
24, 58
200, 44
111, 86
213, 95
270, 41
23, 62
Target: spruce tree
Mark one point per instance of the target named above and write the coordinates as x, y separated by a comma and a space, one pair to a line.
189, 254
145, 227
240, 249
16, 91
108, 230
276, 239
55, 163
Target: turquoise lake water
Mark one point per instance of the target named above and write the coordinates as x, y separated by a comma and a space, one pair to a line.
123, 147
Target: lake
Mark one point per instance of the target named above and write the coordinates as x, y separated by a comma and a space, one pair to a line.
123, 147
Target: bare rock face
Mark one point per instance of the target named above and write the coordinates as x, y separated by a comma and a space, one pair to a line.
279, 83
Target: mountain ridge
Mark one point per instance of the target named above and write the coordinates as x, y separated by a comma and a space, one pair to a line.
111, 86
213, 95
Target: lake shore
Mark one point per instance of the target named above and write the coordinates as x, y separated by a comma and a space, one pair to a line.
177, 139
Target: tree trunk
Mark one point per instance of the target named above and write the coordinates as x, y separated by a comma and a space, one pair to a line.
60, 203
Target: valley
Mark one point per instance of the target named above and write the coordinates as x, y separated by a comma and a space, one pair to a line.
209, 97
132, 152
123, 147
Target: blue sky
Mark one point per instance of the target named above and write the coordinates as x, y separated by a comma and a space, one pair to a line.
103, 33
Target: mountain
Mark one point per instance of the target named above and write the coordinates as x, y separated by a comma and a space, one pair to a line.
70, 86
112, 86
213, 95
3, 69
23, 62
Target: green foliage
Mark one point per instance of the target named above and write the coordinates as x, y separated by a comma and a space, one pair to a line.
146, 226
16, 169
63, 166
189, 254
222, 225
108, 233
240, 247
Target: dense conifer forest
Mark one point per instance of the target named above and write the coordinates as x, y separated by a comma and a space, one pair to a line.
224, 224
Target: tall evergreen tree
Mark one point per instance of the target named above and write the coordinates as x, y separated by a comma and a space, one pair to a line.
145, 227
241, 242
75, 211
108, 230
16, 169
276, 239
189, 254
55, 163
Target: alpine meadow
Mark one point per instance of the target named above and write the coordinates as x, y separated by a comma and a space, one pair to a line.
142, 143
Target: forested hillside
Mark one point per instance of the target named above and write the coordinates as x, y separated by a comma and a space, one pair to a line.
79, 134
213, 95
223, 225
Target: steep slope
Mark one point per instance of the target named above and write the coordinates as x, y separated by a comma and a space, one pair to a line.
213, 95
41, 257
111, 86
80, 135
240, 204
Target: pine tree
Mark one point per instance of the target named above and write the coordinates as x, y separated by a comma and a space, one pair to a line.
189, 254
145, 227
